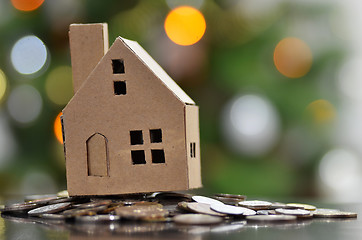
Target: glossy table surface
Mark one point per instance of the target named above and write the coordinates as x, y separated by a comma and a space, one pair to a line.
12, 227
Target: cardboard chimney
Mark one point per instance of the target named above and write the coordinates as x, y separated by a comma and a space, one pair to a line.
129, 127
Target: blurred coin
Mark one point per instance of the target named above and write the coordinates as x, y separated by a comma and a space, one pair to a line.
94, 204
145, 203
332, 213
256, 204
142, 212
266, 212
173, 195
232, 210
302, 206
54, 200
63, 193
83, 211
111, 208
182, 206
272, 218
226, 200
235, 196
294, 212
203, 208
207, 200
97, 218
276, 205
38, 196
197, 219
19, 207
49, 209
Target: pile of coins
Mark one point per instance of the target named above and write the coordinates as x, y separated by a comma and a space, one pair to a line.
179, 208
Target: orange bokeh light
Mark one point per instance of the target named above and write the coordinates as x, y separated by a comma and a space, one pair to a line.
293, 57
58, 128
27, 5
185, 25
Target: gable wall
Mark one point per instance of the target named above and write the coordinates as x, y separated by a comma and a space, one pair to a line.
148, 104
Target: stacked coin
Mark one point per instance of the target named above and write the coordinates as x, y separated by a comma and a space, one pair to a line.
180, 208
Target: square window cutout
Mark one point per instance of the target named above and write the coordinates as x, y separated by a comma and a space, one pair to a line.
138, 157
158, 156
156, 135
118, 66
120, 88
136, 137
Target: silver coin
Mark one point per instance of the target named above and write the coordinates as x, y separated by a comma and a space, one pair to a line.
203, 208
276, 205
262, 212
233, 196
207, 200
332, 213
197, 219
19, 207
49, 209
232, 210
256, 204
302, 206
227, 200
271, 218
294, 212
94, 204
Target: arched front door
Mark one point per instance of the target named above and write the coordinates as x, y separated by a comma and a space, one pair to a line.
97, 157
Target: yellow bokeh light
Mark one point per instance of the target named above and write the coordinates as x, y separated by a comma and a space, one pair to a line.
321, 111
185, 25
58, 85
293, 57
58, 128
27, 5
3, 85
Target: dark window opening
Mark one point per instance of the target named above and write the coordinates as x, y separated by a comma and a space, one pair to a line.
136, 137
156, 135
138, 157
158, 156
193, 150
120, 88
118, 66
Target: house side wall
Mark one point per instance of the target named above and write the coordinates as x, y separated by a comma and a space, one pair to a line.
147, 105
193, 145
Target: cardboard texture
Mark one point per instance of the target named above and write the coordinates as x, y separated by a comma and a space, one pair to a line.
129, 127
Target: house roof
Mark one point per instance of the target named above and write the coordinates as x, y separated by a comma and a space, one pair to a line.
157, 70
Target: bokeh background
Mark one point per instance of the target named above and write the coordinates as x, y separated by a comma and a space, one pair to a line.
278, 83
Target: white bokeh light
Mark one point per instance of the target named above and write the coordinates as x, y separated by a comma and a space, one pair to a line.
28, 55
340, 174
24, 104
251, 125
350, 81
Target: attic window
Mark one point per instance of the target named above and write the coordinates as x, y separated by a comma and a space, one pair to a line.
136, 137
158, 156
118, 66
119, 88
156, 135
138, 157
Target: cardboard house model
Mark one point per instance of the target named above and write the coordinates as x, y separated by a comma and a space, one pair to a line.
129, 128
